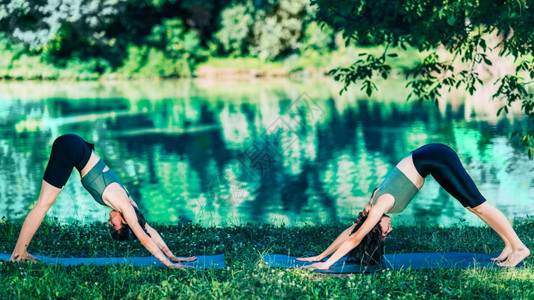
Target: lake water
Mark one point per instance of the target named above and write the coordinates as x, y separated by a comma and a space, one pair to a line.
270, 151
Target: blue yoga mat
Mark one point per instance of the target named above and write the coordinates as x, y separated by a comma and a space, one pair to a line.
210, 261
400, 261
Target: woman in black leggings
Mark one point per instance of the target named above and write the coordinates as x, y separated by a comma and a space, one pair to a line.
69, 151
366, 236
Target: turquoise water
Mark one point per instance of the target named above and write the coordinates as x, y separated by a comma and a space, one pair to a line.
270, 151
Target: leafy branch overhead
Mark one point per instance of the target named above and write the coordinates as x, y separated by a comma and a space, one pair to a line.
457, 38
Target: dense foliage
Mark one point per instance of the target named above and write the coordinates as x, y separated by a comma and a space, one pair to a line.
158, 38
461, 40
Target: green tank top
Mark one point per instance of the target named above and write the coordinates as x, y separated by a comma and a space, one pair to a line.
96, 181
400, 187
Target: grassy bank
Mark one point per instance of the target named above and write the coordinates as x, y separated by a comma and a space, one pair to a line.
16, 65
246, 276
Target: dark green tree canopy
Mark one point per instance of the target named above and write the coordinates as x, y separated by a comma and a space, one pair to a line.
470, 31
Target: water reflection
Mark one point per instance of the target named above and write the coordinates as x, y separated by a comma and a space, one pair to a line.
178, 146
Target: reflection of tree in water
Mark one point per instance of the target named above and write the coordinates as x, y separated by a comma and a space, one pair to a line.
267, 194
171, 169
299, 189
63, 107
163, 153
387, 128
337, 133
23, 160
250, 112
433, 209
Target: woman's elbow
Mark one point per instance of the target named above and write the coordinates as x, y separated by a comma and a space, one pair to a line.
145, 240
354, 240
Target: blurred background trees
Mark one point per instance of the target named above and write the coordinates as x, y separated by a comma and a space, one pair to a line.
151, 38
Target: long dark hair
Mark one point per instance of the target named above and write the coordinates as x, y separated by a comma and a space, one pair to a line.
371, 248
125, 233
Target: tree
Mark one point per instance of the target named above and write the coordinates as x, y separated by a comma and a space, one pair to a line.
278, 29
317, 38
269, 29
85, 30
236, 24
457, 37
61, 30
36, 22
180, 45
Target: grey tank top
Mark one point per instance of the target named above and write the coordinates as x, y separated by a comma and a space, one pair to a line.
96, 181
400, 187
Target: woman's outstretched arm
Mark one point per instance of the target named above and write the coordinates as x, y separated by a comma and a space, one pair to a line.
47, 197
154, 235
333, 247
381, 206
130, 217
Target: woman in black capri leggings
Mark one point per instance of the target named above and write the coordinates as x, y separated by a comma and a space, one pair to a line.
70, 151
365, 238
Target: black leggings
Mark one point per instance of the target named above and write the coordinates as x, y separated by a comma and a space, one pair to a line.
443, 164
68, 151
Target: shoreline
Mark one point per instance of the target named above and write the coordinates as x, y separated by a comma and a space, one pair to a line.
203, 73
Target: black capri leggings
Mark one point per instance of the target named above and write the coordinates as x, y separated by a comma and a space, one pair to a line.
443, 164
68, 151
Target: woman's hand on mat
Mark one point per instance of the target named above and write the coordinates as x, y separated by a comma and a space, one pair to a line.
180, 259
318, 266
23, 257
180, 266
310, 259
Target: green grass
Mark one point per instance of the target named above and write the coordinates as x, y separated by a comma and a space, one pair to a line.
246, 276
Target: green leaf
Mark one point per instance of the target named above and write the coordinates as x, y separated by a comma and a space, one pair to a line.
483, 44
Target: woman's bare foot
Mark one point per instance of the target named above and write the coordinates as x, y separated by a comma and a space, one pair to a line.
504, 254
515, 258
